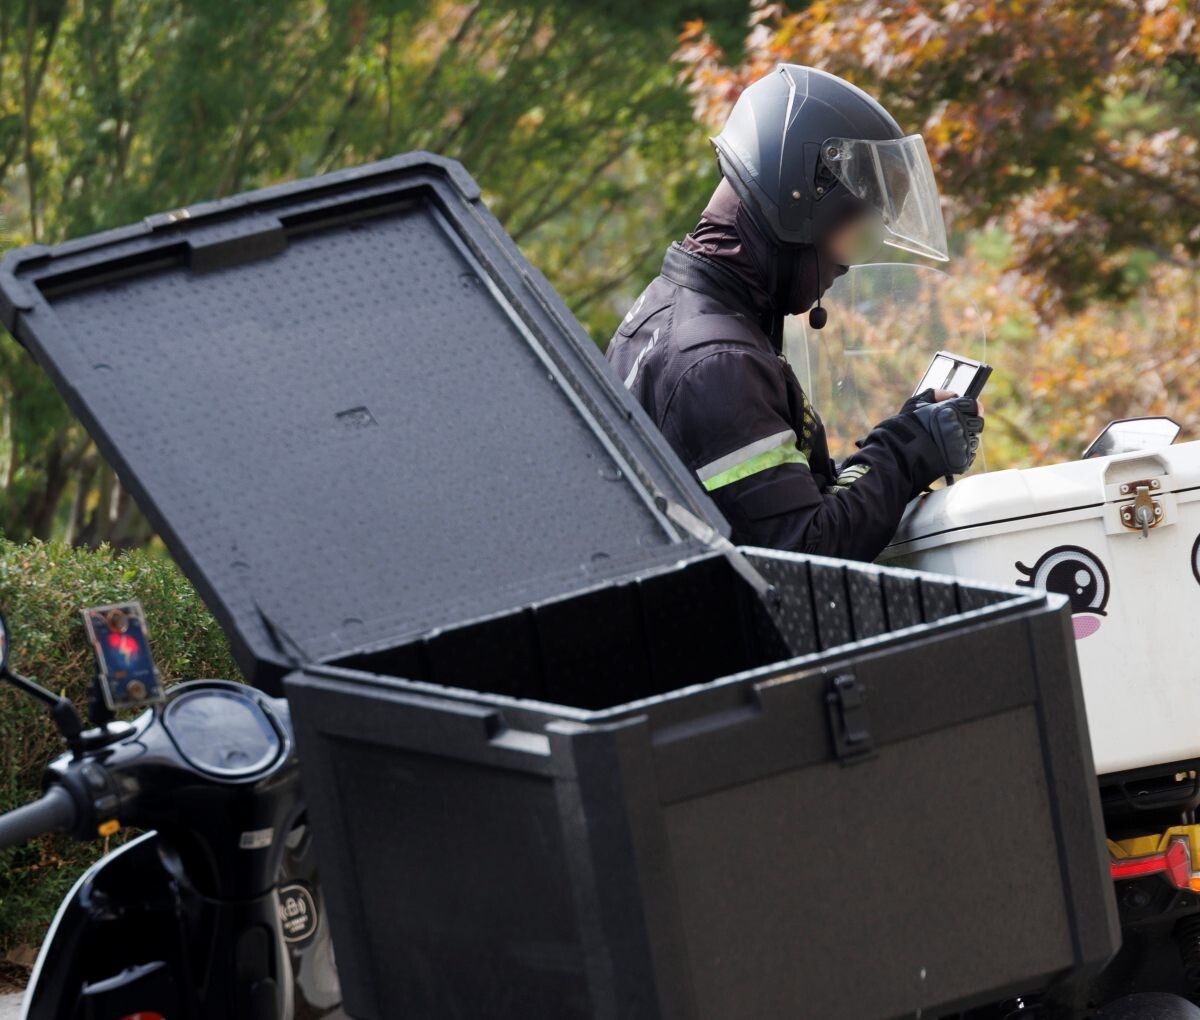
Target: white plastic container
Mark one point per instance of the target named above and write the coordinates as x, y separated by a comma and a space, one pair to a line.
1135, 600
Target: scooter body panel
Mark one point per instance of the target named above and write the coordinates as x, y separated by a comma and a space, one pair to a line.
119, 920
132, 937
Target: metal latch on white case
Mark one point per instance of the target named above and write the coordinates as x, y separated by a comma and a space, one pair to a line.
1144, 512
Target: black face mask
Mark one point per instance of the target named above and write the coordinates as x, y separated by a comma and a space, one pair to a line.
727, 233
811, 276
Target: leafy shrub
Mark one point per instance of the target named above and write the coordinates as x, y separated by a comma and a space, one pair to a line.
43, 587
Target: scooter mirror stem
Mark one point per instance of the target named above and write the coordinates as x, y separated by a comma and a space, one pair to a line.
61, 710
97, 708
31, 687
68, 722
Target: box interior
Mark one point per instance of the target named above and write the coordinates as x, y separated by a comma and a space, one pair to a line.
648, 635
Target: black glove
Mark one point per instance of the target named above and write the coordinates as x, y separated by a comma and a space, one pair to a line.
926, 396
911, 404
954, 424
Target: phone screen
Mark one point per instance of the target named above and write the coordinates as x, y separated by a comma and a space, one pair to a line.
958, 375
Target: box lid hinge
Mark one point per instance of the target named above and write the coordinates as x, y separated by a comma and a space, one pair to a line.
709, 536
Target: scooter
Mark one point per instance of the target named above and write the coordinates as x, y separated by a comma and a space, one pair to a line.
216, 910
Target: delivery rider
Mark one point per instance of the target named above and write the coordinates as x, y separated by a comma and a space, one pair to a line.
815, 174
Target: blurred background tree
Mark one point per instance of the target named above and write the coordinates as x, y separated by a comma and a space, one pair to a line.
568, 114
1066, 138
1064, 133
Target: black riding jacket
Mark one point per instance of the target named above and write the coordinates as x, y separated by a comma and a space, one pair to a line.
696, 356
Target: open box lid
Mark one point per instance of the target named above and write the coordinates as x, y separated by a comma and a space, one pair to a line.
352, 409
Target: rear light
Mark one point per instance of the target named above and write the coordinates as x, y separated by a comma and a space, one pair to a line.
1174, 854
1174, 863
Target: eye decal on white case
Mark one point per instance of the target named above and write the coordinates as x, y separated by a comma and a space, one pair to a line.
1077, 573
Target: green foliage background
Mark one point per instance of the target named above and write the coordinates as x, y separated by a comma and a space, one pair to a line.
568, 114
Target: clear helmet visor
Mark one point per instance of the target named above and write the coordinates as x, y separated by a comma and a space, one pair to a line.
893, 178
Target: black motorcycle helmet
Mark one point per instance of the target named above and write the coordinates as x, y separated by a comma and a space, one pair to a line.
805, 150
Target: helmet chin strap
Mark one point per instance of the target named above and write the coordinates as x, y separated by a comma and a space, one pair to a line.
817, 316
785, 271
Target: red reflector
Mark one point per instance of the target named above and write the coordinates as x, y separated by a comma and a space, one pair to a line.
1179, 863
128, 647
1174, 864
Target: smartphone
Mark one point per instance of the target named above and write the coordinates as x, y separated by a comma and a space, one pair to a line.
124, 667
953, 372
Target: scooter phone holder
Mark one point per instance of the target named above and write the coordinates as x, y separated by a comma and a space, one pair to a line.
964, 376
125, 671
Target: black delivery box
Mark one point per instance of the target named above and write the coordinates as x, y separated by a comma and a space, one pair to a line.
561, 755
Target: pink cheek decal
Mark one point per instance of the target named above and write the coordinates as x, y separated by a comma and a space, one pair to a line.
1085, 625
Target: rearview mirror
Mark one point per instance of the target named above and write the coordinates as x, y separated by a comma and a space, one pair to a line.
1129, 435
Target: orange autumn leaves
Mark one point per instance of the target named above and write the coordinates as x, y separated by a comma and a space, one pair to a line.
1072, 127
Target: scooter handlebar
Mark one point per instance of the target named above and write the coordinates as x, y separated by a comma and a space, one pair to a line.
53, 812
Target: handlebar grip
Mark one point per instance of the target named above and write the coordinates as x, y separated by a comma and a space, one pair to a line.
54, 812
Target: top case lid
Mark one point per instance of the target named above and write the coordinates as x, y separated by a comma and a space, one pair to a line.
352, 409
1019, 498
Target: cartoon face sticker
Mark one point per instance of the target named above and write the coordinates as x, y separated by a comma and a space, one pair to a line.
1077, 573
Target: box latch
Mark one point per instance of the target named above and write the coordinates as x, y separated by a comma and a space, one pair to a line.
1144, 512
846, 702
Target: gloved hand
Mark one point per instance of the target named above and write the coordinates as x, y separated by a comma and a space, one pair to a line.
926, 396
954, 425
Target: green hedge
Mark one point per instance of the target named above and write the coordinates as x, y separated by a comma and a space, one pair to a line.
43, 587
